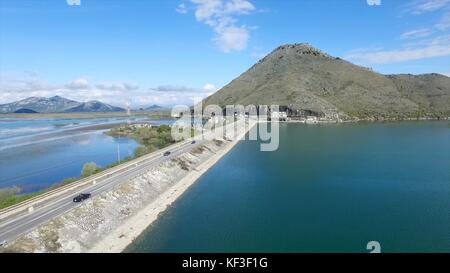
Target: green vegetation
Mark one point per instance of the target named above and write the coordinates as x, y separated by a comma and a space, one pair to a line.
7, 199
7, 194
11, 196
90, 169
151, 138
66, 181
143, 150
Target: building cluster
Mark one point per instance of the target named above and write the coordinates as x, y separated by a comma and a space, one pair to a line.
283, 113
140, 126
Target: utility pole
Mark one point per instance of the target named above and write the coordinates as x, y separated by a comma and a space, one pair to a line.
118, 152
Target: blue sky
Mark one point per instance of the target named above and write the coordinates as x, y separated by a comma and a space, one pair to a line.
144, 52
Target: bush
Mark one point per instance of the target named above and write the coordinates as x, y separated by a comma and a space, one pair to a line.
164, 128
90, 169
63, 183
140, 151
143, 150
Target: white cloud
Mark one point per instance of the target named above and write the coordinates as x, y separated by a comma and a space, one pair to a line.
209, 87
182, 8
423, 6
437, 47
444, 23
446, 74
239, 6
222, 17
422, 47
17, 87
374, 2
80, 83
117, 86
232, 39
417, 33
178, 94
184, 89
73, 2
172, 88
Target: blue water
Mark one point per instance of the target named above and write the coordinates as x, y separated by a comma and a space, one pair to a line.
37, 153
17, 127
330, 188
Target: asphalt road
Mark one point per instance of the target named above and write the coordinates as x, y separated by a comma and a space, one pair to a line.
12, 228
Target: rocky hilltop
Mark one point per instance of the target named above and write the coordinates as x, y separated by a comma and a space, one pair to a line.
311, 82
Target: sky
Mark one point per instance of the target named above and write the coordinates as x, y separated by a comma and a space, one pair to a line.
143, 52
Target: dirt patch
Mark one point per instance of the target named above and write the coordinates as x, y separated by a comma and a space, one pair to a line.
50, 237
199, 150
184, 165
126, 188
218, 142
22, 245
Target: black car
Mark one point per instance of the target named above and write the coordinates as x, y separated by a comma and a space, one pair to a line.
81, 197
193, 142
166, 153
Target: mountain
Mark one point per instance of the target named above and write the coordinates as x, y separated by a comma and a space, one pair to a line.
154, 107
40, 105
312, 82
25, 111
94, 106
56, 104
429, 91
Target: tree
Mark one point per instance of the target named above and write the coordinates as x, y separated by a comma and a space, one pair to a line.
140, 151
90, 169
164, 128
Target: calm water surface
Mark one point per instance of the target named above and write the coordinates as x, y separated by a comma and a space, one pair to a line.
330, 188
37, 153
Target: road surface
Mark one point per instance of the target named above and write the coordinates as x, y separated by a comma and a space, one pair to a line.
12, 227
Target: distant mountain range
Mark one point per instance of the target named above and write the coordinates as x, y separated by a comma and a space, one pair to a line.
154, 107
56, 104
307, 80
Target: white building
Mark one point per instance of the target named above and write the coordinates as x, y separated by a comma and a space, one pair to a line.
282, 116
312, 120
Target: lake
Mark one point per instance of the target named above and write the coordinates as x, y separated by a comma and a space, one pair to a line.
37, 153
328, 188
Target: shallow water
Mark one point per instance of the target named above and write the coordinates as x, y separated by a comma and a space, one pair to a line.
35, 154
329, 188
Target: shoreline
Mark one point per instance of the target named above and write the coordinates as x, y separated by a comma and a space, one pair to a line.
123, 236
364, 121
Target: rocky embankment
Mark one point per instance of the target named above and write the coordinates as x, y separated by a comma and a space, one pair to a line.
112, 220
